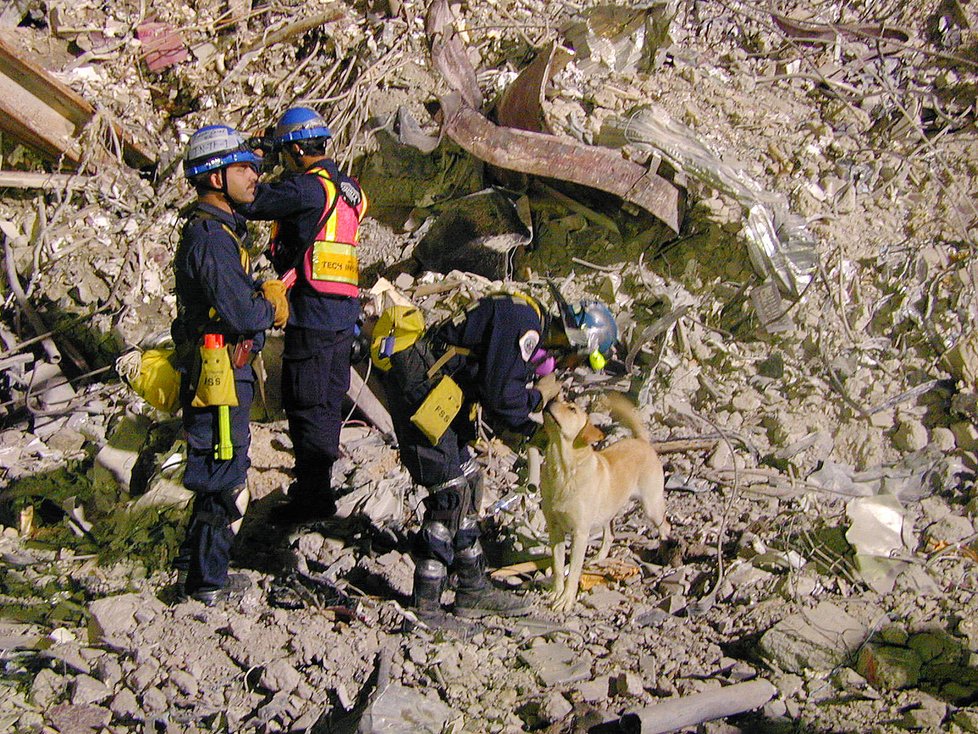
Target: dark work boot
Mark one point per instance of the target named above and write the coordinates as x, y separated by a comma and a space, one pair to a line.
308, 507
475, 595
232, 591
429, 582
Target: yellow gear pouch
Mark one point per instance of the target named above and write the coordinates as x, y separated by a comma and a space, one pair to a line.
397, 329
152, 377
436, 413
216, 384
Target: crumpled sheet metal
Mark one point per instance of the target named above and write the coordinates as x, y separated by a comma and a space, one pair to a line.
877, 531
449, 56
521, 104
545, 155
780, 247
909, 480
624, 39
479, 233
778, 243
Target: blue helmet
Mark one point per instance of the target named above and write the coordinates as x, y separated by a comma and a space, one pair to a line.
588, 324
300, 123
214, 147
597, 323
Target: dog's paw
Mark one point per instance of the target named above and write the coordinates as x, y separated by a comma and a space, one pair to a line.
564, 603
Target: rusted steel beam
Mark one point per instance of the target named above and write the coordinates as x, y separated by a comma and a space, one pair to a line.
545, 155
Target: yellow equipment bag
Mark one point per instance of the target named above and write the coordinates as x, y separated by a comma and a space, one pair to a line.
397, 329
436, 413
216, 384
152, 377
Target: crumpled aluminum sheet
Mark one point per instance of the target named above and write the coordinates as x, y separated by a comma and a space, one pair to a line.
779, 243
877, 531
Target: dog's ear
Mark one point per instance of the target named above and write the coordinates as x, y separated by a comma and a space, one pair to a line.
589, 435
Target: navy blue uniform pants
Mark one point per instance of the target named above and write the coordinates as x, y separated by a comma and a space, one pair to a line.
406, 386
315, 379
206, 550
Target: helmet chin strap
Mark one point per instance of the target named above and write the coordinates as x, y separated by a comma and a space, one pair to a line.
223, 190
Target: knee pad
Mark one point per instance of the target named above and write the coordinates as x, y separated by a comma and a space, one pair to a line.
447, 503
434, 542
235, 502
430, 578
476, 481
467, 535
470, 563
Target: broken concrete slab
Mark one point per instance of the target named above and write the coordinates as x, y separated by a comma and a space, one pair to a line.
557, 664
115, 617
481, 233
817, 639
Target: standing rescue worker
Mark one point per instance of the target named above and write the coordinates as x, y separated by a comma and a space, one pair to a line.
317, 212
492, 352
218, 302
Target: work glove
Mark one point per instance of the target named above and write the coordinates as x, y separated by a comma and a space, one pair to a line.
275, 293
548, 388
360, 348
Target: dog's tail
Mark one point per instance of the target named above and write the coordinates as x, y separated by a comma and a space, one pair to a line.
624, 411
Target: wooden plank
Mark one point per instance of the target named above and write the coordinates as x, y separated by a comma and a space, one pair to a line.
31, 180
31, 120
42, 112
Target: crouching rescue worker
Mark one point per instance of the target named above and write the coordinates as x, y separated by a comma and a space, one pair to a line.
489, 354
222, 314
317, 212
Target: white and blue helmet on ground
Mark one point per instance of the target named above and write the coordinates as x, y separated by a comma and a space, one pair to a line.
300, 123
214, 147
589, 325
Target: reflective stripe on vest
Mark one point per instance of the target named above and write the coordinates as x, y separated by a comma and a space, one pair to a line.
333, 257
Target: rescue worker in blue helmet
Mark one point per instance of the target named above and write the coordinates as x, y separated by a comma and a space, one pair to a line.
317, 210
493, 352
218, 302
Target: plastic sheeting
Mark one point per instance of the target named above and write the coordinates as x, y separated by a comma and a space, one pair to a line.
778, 242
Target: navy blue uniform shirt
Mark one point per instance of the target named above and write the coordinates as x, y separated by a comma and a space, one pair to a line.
496, 373
297, 203
208, 273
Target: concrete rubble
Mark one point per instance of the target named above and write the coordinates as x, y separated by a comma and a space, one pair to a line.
794, 281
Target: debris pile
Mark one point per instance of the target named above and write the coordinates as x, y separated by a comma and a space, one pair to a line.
777, 203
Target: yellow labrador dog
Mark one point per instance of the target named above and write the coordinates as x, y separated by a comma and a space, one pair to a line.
583, 489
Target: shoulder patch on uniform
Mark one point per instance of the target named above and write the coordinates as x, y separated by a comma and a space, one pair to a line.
350, 192
528, 344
